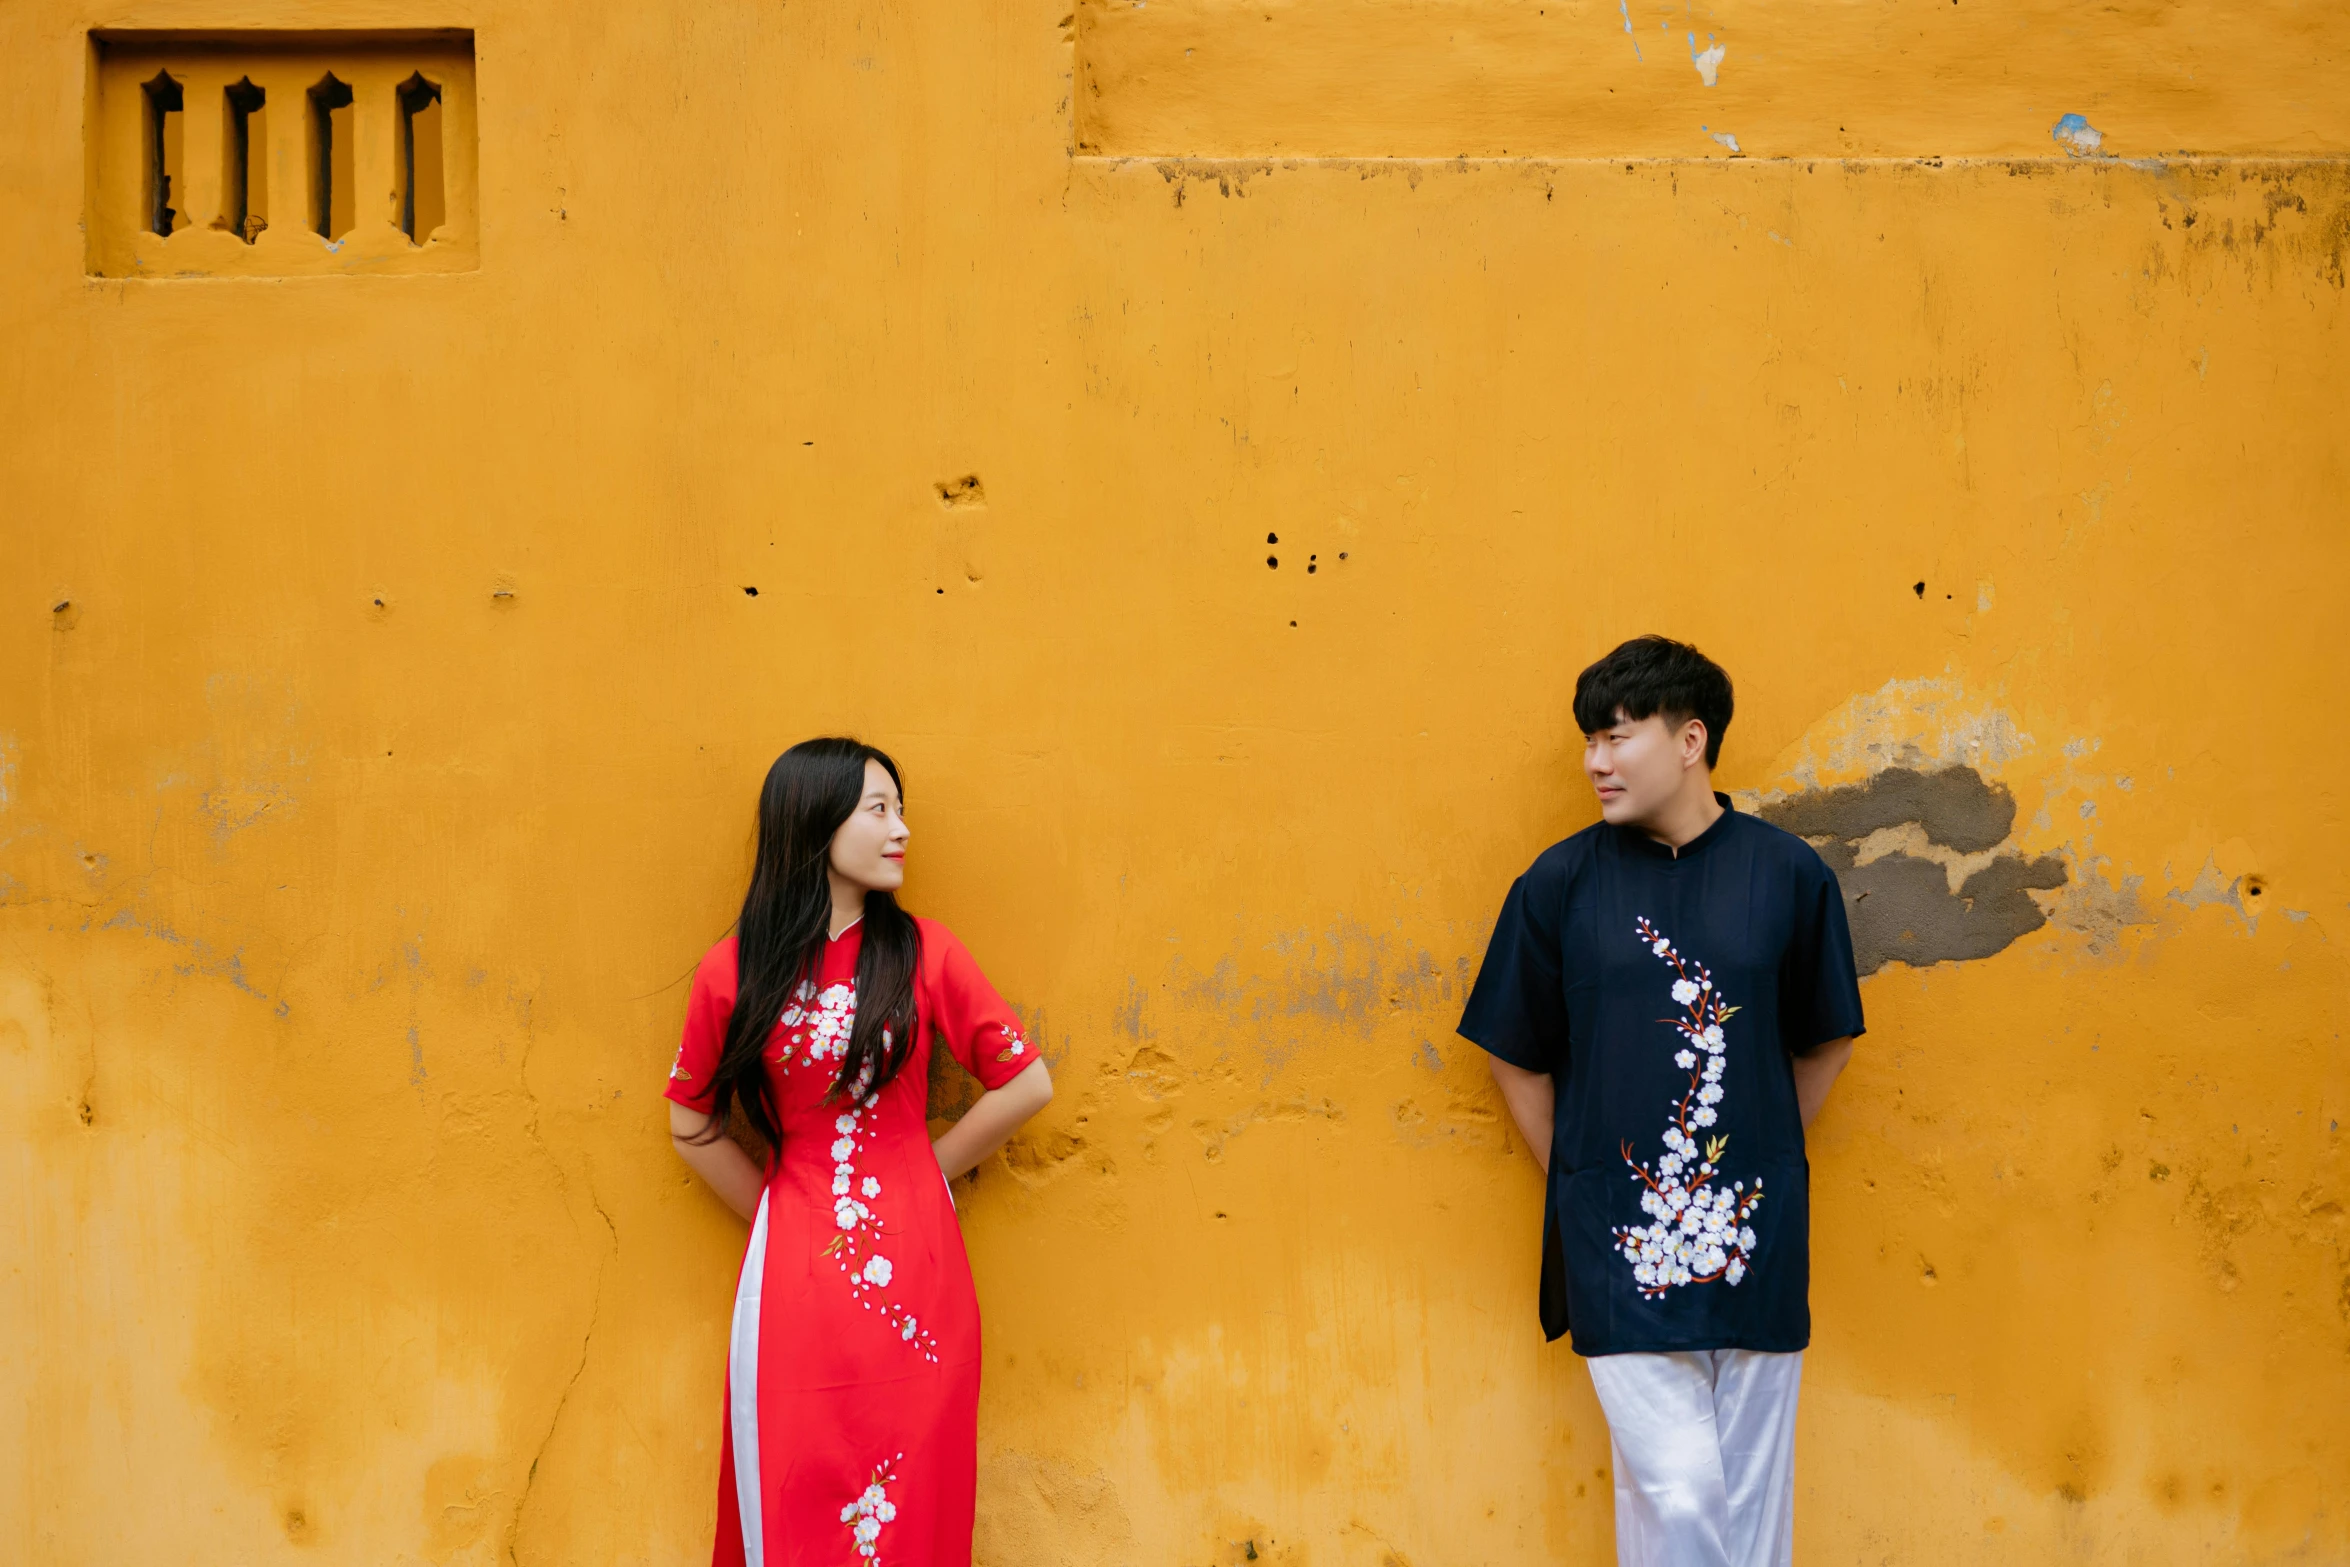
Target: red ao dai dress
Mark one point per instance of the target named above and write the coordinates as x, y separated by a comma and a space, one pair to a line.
852, 1402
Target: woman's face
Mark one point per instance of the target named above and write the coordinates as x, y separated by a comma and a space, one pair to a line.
870, 848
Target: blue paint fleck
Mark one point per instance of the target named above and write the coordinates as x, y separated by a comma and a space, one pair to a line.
2078, 136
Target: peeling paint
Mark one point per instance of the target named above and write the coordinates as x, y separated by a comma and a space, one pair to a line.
1918, 724
2099, 904
1707, 60
2078, 137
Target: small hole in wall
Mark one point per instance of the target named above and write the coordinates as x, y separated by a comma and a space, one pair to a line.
164, 142
1272, 538
2254, 887
1918, 588
1310, 559
1342, 554
1273, 561
750, 593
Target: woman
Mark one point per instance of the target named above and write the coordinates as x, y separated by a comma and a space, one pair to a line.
853, 1376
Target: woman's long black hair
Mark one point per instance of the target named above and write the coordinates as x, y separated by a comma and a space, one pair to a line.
786, 917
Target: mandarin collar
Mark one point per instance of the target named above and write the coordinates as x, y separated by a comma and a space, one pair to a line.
1637, 842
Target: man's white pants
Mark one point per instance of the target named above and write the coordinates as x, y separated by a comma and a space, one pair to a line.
1704, 1446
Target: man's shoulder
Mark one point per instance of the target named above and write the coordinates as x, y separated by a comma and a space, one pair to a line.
1777, 846
1559, 863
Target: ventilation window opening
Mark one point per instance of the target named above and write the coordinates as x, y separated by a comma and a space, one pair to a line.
332, 206
424, 204
244, 161
165, 148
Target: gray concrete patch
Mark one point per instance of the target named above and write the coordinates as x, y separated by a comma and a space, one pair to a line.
1903, 906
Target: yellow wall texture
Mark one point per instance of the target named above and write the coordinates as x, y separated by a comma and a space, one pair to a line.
382, 702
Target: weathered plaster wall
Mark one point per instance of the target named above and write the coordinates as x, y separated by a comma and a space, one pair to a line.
381, 700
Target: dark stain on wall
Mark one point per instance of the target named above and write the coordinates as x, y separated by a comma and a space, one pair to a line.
1900, 904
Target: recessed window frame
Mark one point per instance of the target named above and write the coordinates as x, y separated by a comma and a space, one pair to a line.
384, 209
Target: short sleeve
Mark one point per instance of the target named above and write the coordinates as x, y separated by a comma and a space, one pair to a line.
1517, 1010
977, 1026
1820, 990
708, 1008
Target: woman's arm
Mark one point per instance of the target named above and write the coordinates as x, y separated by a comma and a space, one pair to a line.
991, 1121
1815, 1074
1533, 1102
731, 1172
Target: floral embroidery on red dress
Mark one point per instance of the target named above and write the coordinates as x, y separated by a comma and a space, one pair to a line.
818, 1027
872, 1509
1014, 1046
1699, 1231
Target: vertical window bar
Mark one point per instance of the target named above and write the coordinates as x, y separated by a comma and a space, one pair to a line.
243, 201
330, 157
164, 102
423, 204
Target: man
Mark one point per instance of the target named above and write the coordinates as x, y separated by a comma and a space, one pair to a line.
1667, 998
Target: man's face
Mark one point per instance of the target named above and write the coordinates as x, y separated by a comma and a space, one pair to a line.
1638, 765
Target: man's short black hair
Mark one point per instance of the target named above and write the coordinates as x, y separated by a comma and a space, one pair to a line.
1651, 675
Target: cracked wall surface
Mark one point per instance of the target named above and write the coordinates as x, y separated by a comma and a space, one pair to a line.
387, 666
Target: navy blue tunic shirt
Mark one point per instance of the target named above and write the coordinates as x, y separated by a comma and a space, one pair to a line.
1666, 995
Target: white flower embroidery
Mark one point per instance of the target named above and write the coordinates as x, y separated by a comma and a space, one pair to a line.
1698, 1231
872, 1509
1014, 1046
819, 1025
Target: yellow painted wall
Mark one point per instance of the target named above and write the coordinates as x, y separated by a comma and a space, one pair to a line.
381, 707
